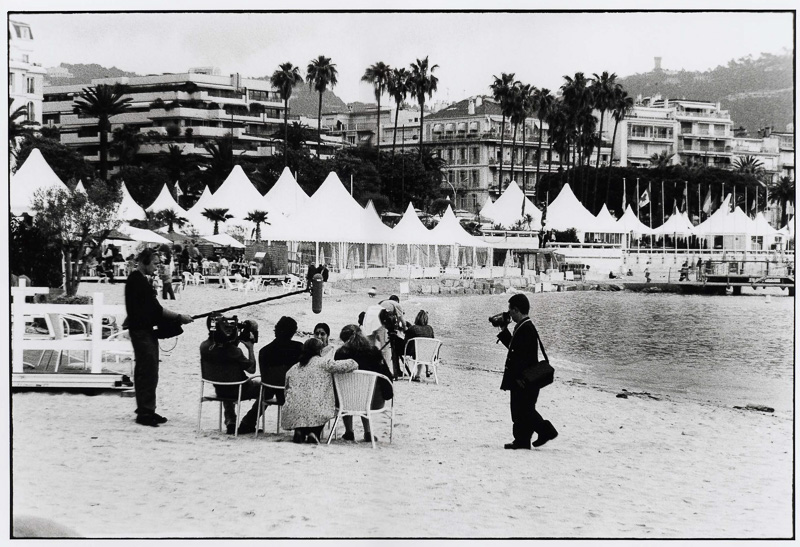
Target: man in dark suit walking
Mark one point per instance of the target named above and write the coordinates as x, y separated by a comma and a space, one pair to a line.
523, 352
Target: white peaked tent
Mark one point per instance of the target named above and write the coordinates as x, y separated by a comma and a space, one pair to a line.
761, 227
224, 240
411, 230
567, 212
507, 210
35, 174
128, 208
449, 232
331, 215
676, 224
606, 223
486, 210
79, 188
165, 201
286, 197
146, 236
629, 222
722, 221
195, 213
374, 226
238, 195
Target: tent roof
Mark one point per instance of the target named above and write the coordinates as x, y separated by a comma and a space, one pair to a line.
676, 224
605, 222
374, 225
410, 229
629, 222
224, 240
450, 231
236, 194
128, 208
165, 201
507, 210
722, 221
285, 197
138, 234
486, 210
33, 175
80, 187
762, 228
195, 213
567, 212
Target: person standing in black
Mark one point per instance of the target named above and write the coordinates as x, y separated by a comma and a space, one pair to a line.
144, 312
523, 352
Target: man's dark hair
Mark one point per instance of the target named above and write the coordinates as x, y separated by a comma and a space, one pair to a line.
146, 256
520, 301
285, 328
395, 298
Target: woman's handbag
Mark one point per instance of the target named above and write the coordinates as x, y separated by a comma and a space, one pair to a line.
540, 374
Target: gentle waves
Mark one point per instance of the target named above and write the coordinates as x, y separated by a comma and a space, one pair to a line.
728, 350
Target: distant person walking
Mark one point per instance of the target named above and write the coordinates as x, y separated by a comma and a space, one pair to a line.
144, 312
523, 352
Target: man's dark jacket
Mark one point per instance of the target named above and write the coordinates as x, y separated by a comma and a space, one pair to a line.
523, 352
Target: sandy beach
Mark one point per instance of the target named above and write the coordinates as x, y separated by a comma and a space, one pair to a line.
621, 468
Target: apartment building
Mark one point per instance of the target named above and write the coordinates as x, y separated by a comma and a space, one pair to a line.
785, 151
466, 134
187, 110
25, 77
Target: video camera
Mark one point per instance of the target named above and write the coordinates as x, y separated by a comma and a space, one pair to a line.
228, 330
501, 319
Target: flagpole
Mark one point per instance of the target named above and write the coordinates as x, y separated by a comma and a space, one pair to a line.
624, 195
745, 202
650, 201
637, 199
699, 202
664, 240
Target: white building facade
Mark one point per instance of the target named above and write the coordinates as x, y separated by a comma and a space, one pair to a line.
25, 76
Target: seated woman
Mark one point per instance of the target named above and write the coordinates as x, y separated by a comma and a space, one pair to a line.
420, 329
309, 392
357, 347
322, 332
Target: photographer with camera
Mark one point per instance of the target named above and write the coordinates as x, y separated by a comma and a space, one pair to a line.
145, 312
523, 353
394, 321
221, 360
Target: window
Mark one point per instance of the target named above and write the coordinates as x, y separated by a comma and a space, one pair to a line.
84, 132
638, 131
26, 58
52, 119
475, 155
31, 113
31, 85
258, 95
476, 178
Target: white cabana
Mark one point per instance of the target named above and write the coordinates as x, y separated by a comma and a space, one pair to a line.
410, 229
450, 232
128, 208
486, 210
761, 227
723, 222
164, 202
507, 210
238, 195
286, 197
79, 188
224, 240
676, 225
567, 212
629, 222
195, 213
606, 223
374, 225
145, 236
35, 174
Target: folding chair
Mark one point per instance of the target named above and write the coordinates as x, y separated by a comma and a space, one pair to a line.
426, 351
355, 390
211, 398
262, 415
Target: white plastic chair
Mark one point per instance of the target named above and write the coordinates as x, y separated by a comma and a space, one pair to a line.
230, 285
126, 353
187, 278
199, 279
427, 355
292, 282
262, 415
354, 391
211, 398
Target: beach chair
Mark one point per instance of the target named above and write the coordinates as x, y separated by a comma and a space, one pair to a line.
230, 285
426, 351
126, 353
292, 282
187, 278
199, 279
262, 407
354, 391
214, 398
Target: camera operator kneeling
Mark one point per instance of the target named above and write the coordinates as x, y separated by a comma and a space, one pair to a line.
221, 360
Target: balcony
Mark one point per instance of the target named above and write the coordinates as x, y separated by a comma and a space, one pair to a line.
723, 115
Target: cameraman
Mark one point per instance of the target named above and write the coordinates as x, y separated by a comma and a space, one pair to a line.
221, 360
395, 323
523, 351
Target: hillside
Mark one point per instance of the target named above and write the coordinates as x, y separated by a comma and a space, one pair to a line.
84, 74
758, 92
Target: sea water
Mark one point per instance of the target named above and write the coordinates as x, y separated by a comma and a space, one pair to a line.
726, 350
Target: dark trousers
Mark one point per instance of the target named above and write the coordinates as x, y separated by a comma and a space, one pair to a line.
398, 346
249, 392
315, 430
166, 290
145, 370
524, 415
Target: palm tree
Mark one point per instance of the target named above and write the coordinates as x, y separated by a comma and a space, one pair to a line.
424, 83
378, 75
102, 102
603, 90
125, 142
577, 100
622, 105
783, 193
171, 218
221, 163
559, 134
16, 129
517, 114
664, 159
501, 89
542, 103
216, 216
398, 87
258, 218
284, 79
749, 165
320, 73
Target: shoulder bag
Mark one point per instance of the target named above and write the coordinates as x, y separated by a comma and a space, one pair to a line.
541, 374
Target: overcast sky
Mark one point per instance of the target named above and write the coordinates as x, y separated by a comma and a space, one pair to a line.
468, 47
